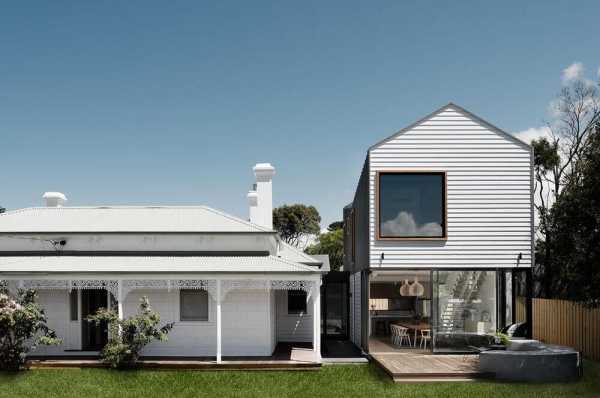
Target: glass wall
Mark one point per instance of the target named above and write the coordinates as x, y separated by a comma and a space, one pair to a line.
520, 296
465, 310
403, 299
508, 298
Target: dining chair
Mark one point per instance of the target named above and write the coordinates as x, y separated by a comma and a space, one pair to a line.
399, 333
425, 337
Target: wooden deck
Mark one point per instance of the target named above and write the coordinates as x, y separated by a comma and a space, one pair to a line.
286, 357
181, 364
420, 367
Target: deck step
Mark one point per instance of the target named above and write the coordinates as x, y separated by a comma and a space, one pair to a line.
422, 368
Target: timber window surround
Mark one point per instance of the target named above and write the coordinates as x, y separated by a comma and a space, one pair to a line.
411, 205
296, 302
193, 305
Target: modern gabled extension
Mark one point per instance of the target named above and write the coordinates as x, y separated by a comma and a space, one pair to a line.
439, 236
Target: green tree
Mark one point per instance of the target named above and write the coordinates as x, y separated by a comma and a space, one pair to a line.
577, 112
22, 328
296, 222
130, 335
335, 225
572, 245
332, 244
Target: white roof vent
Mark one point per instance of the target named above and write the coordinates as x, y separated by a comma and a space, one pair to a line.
54, 199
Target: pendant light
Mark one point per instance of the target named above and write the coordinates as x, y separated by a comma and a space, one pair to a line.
404, 289
416, 289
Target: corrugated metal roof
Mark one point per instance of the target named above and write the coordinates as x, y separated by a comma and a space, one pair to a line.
324, 260
124, 219
293, 254
152, 264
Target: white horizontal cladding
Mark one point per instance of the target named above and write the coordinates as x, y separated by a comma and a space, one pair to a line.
483, 255
489, 201
171, 242
408, 156
467, 147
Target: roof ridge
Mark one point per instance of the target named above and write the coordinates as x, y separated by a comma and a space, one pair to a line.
300, 252
240, 220
297, 265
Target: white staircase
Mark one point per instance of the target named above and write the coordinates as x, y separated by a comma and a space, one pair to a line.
464, 291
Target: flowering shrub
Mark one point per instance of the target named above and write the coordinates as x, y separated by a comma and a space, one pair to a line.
22, 328
130, 335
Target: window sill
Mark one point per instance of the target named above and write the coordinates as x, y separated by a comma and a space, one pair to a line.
412, 238
190, 322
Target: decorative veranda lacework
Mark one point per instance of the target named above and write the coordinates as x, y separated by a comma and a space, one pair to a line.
260, 284
128, 285
48, 284
204, 284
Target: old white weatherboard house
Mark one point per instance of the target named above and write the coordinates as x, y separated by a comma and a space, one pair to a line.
439, 236
232, 287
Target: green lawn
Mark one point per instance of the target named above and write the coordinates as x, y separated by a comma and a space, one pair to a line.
331, 381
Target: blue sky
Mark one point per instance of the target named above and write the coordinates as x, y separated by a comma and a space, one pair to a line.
144, 102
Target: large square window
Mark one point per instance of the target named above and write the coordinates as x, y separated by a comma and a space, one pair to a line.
411, 205
193, 305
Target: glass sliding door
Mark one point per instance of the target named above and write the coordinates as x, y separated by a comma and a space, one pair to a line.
508, 298
465, 310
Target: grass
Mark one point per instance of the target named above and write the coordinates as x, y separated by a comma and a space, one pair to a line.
330, 381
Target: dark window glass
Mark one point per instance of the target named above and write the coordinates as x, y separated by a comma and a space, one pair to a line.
73, 307
411, 205
193, 305
296, 302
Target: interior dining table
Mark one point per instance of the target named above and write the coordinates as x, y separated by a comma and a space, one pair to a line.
417, 327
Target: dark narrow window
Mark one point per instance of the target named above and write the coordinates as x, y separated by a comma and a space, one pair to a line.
353, 218
73, 305
296, 302
411, 205
193, 305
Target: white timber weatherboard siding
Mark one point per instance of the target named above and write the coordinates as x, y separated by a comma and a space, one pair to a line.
248, 324
489, 185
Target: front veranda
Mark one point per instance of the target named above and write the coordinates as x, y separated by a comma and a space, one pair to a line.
216, 317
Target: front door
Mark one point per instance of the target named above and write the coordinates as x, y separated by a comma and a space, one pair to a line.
93, 336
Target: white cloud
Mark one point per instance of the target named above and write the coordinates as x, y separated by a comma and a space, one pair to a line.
573, 72
405, 225
598, 71
533, 133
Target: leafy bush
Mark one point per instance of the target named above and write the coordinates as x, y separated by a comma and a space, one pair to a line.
22, 328
502, 338
130, 335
